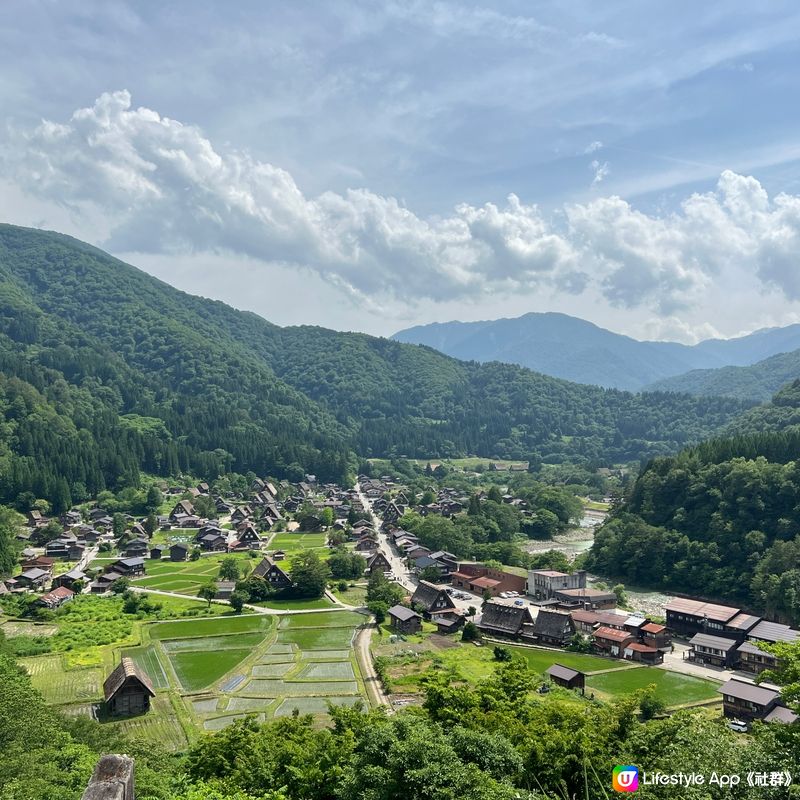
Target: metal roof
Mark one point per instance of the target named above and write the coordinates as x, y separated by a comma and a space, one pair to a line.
707, 640
748, 692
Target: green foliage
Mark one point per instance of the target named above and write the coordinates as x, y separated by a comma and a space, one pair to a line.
381, 590
346, 564
207, 592
470, 632
229, 569
10, 525
309, 574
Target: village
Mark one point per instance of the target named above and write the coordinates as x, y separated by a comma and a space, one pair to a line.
568, 627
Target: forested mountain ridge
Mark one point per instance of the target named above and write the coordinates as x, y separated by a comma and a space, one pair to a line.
719, 519
138, 375
577, 350
758, 381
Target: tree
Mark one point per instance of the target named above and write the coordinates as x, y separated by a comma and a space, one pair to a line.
150, 524
650, 704
229, 569
51, 531
204, 506
345, 564
619, 591
382, 590
154, 499
379, 609
119, 524
207, 592
121, 585
309, 574
470, 632
195, 554
327, 516
431, 573
472, 611
237, 601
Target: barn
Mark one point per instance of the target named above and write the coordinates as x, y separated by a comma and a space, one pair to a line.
127, 690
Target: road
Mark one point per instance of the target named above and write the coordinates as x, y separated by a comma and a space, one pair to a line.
375, 693
404, 577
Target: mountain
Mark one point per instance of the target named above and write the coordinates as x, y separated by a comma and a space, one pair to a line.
106, 371
757, 382
717, 519
571, 348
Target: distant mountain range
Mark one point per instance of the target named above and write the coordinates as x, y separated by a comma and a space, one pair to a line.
577, 350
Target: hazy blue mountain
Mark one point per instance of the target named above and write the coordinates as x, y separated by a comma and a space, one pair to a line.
759, 381
572, 348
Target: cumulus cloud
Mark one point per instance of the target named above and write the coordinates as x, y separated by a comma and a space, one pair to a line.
162, 186
593, 147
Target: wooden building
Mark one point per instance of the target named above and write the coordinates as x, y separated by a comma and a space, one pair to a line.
404, 620
566, 677
127, 690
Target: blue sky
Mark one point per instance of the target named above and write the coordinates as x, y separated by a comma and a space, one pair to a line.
350, 164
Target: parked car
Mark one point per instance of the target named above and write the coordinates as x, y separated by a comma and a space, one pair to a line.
738, 725
504, 595
519, 602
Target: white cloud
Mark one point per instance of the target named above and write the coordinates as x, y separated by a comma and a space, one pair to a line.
593, 147
162, 187
600, 169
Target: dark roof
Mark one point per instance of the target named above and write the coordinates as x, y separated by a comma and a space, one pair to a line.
698, 608
426, 594
402, 613
774, 632
124, 670
550, 622
131, 562
748, 692
179, 546
781, 714
564, 673
508, 619
743, 621
425, 561
718, 642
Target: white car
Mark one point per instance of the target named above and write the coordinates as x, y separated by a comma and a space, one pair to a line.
504, 595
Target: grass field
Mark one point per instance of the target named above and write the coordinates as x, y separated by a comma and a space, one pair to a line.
312, 705
273, 670
540, 660
317, 638
148, 659
61, 686
292, 542
210, 627
332, 619
237, 641
672, 688
327, 671
296, 605
160, 725
199, 669
186, 577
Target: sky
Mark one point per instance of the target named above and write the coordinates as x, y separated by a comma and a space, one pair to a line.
372, 166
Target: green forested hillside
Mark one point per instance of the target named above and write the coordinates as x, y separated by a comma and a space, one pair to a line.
719, 519
756, 382
106, 370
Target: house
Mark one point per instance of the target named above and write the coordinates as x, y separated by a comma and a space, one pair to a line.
751, 657
55, 598
588, 622
158, 552
68, 579
715, 650
57, 548
566, 677
498, 580
447, 561
423, 562
136, 548
551, 627
501, 619
214, 542
183, 508
378, 562
611, 641
34, 578
542, 583
742, 700
178, 552
102, 583
272, 574
39, 562
249, 537
654, 635
449, 623
366, 543
129, 567
433, 600
404, 620
224, 590
636, 651
584, 598
35, 519
127, 690
688, 617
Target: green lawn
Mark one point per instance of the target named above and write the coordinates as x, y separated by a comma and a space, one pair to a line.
148, 660
186, 577
672, 688
210, 627
292, 542
332, 619
540, 660
317, 638
231, 641
198, 669
296, 605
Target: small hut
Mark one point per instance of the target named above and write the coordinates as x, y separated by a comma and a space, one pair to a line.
127, 690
